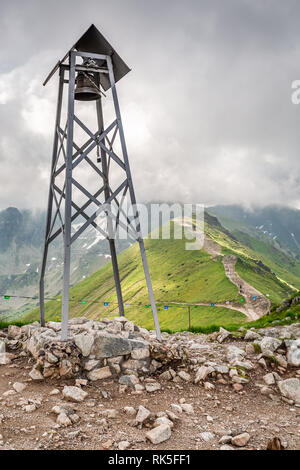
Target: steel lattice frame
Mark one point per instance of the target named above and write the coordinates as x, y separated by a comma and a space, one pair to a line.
73, 155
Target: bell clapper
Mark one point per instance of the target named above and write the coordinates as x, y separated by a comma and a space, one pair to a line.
98, 151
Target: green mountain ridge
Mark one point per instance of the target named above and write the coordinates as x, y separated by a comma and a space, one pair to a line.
181, 276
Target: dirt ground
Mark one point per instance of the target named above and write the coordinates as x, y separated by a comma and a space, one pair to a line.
216, 411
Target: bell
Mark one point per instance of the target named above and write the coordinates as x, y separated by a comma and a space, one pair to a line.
86, 88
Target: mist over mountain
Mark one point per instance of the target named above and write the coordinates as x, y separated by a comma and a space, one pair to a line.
278, 224
21, 246
22, 237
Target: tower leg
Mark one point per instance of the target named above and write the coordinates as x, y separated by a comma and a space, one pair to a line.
50, 199
111, 240
132, 197
150, 289
68, 201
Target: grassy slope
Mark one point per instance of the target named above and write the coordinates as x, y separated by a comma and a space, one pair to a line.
279, 281
177, 275
284, 266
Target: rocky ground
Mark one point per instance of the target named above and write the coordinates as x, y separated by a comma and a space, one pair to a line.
226, 393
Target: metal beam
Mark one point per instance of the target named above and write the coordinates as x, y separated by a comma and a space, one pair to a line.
111, 241
101, 209
68, 201
132, 196
50, 200
80, 211
92, 55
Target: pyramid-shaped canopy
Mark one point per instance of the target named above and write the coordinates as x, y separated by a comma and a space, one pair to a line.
93, 41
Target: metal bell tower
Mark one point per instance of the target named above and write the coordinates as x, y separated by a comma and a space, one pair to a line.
101, 67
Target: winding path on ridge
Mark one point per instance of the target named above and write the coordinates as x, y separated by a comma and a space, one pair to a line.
253, 309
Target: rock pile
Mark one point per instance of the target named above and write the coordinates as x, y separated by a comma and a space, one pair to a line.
110, 360
95, 350
118, 349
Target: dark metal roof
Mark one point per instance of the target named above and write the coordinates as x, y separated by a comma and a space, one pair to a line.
93, 41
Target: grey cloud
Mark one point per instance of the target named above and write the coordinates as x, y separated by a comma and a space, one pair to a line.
209, 94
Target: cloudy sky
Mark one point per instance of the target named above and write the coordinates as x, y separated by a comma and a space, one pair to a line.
207, 106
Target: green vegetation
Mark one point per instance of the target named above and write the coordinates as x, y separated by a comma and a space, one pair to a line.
182, 276
5, 324
286, 317
177, 276
203, 319
261, 265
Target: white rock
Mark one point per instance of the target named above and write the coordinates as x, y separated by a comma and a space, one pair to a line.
252, 335
187, 408
51, 358
19, 387
140, 354
243, 365
262, 363
29, 408
139, 387
81, 382
129, 326
266, 390
152, 387
241, 439
269, 379
225, 440
142, 414
222, 369
91, 364
63, 420
84, 342
234, 354
209, 386
293, 353
184, 376
5, 358
54, 325
223, 334
166, 375
74, 418
129, 410
176, 407
159, 434
121, 319
173, 417
290, 388
123, 445
239, 380
163, 420
202, 373
36, 375
9, 393
206, 436
99, 374
75, 394
268, 343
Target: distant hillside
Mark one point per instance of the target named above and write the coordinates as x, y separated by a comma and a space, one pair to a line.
21, 245
181, 276
279, 226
